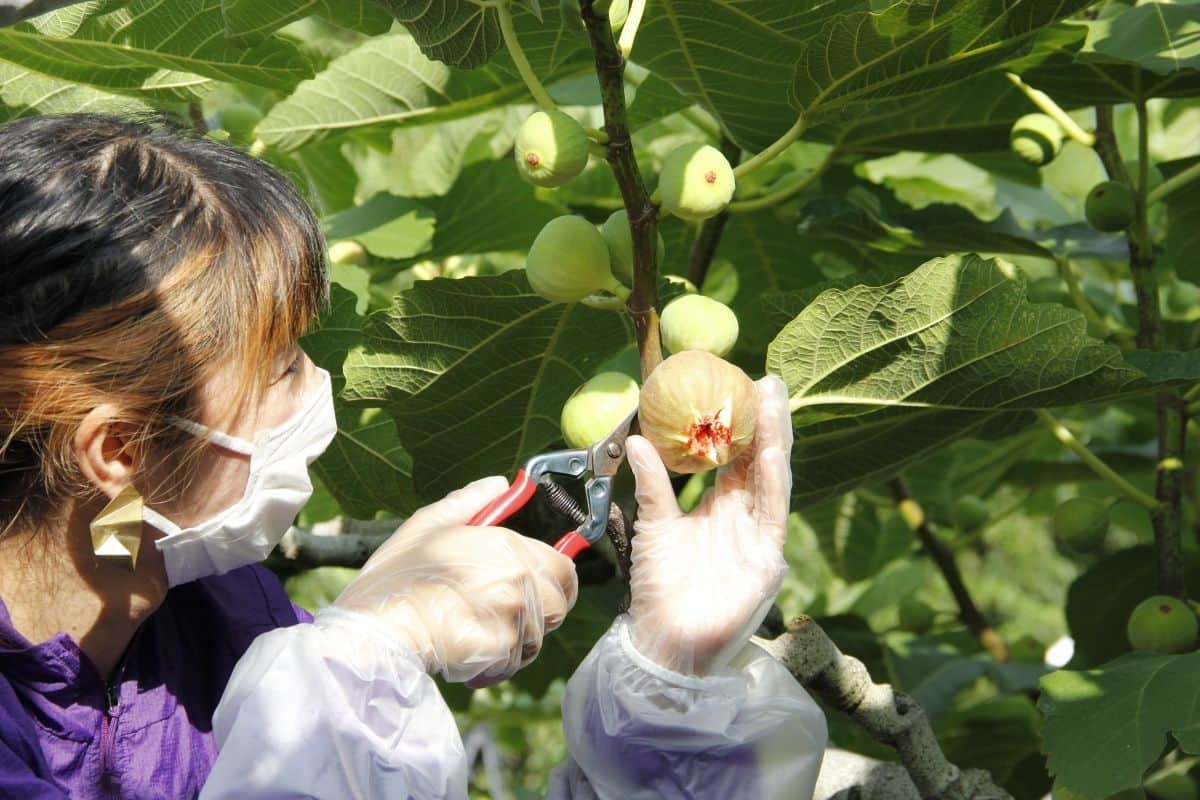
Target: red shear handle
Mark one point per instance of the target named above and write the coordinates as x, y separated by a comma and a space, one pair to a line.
506, 504
572, 545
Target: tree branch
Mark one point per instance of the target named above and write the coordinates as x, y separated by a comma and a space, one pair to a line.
968, 612
1168, 489
890, 717
643, 214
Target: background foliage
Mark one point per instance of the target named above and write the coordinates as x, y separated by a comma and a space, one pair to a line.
924, 294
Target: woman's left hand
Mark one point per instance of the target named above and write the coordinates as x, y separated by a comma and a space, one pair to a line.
702, 582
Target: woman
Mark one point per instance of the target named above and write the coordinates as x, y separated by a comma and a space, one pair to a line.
157, 418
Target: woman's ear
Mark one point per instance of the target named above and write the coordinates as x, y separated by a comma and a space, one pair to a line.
102, 447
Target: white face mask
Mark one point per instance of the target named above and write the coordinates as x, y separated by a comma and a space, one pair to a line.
276, 490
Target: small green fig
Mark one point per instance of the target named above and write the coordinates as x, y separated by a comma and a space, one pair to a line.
568, 261
1183, 297
620, 246
1162, 624
1081, 523
240, 119
696, 182
1109, 207
916, 615
618, 12
969, 512
698, 411
348, 252
597, 407
696, 322
551, 148
1036, 138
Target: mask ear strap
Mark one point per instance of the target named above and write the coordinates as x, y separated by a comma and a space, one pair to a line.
224, 439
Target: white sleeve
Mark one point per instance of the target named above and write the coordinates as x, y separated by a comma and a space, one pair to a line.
635, 730
334, 710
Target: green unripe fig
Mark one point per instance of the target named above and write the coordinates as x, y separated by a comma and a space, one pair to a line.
620, 246
696, 182
1109, 207
551, 148
1182, 297
1027, 650
1036, 138
568, 261
597, 407
1162, 624
348, 252
969, 512
1081, 523
1172, 786
696, 322
240, 119
916, 615
618, 12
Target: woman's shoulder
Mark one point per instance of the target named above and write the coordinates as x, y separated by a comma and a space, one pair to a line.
225, 613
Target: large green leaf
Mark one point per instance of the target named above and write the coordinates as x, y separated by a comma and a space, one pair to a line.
16, 10
1118, 59
855, 543
23, 92
1183, 222
252, 20
459, 33
386, 225
909, 49
955, 334
126, 49
365, 467
475, 372
1105, 727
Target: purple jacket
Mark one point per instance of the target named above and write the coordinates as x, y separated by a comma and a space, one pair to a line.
148, 733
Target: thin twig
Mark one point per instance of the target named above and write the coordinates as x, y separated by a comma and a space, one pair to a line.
1052, 109
968, 612
632, 22
1173, 184
772, 150
1094, 462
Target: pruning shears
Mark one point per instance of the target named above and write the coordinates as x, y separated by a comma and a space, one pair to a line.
602, 460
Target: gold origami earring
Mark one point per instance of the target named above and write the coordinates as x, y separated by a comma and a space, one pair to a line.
117, 529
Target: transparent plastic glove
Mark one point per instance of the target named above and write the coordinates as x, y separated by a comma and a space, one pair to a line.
701, 583
472, 603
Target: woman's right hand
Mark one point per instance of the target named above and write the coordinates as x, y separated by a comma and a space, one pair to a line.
473, 603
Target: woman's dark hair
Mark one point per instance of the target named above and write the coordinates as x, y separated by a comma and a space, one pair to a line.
134, 258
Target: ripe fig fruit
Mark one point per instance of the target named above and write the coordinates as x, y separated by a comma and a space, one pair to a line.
698, 411
1109, 207
696, 182
348, 252
597, 407
1081, 523
568, 261
916, 615
969, 512
1162, 624
1036, 138
551, 148
696, 322
620, 246
240, 119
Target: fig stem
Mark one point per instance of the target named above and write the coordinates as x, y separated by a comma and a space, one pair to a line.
1093, 461
782, 190
636, 9
540, 95
772, 150
1053, 110
1173, 184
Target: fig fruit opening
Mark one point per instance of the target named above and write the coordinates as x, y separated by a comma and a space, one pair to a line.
698, 411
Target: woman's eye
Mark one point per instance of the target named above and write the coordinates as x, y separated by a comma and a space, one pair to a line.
293, 368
